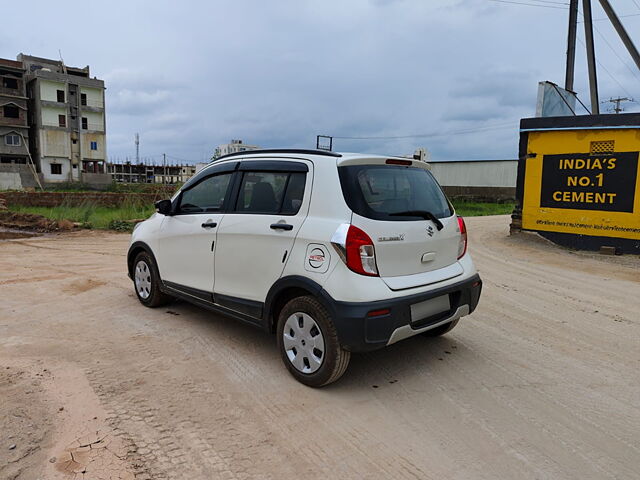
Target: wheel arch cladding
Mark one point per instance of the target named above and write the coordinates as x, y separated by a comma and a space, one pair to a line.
134, 250
285, 290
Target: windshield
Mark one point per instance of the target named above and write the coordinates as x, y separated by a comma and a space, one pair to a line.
393, 193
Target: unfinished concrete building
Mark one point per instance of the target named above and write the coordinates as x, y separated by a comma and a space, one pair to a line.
129, 172
14, 129
234, 147
15, 172
67, 120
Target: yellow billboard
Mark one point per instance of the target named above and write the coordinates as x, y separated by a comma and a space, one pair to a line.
582, 180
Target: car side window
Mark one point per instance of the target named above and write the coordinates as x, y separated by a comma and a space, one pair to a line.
294, 194
271, 192
206, 196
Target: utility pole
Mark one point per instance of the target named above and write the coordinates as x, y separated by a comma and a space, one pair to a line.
616, 101
164, 168
624, 36
571, 45
591, 56
137, 148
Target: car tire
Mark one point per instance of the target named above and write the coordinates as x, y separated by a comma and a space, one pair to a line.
146, 281
441, 330
308, 343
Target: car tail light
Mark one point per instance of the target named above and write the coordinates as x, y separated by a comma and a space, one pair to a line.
395, 161
462, 246
356, 249
360, 253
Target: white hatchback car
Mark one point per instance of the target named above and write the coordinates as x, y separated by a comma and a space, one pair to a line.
334, 253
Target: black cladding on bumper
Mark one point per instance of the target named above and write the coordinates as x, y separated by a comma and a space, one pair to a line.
358, 332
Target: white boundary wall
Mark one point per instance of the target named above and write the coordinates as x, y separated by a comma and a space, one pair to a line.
475, 173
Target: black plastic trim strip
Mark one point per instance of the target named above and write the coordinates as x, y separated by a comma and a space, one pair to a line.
205, 299
193, 292
130, 258
273, 166
281, 150
241, 305
209, 171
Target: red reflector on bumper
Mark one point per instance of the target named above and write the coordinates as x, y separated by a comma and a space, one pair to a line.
379, 313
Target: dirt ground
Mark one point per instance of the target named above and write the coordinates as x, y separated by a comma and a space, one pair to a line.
540, 382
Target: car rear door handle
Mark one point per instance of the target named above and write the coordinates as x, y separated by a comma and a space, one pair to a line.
281, 226
209, 225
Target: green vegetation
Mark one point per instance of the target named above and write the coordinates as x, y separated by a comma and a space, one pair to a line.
143, 188
91, 216
114, 187
477, 209
120, 218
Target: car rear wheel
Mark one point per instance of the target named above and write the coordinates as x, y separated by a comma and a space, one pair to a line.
146, 281
309, 344
441, 330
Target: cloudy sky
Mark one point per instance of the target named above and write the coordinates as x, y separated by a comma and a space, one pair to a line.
454, 76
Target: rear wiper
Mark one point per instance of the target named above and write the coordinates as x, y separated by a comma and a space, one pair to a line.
420, 213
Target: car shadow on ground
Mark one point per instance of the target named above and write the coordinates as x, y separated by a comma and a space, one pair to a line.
406, 361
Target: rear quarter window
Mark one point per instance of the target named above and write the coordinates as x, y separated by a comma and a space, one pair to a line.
382, 192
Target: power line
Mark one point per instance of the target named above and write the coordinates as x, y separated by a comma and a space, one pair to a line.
178, 158
549, 1
531, 4
619, 16
617, 101
608, 72
633, 72
429, 135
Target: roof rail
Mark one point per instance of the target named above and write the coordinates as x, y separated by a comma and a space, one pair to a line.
282, 150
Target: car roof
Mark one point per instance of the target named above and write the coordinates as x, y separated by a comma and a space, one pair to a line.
280, 151
230, 162
297, 153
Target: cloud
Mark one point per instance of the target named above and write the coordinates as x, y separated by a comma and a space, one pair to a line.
188, 77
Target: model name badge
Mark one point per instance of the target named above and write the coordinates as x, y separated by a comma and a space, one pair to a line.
392, 238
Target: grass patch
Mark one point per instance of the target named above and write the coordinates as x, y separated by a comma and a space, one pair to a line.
114, 187
477, 209
119, 218
92, 216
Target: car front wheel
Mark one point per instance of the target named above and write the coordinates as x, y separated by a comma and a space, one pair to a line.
146, 281
309, 344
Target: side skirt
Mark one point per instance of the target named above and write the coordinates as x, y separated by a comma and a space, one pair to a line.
205, 300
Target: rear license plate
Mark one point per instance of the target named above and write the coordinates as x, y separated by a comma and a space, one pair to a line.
428, 308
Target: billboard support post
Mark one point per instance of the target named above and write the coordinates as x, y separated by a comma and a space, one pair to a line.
591, 56
571, 45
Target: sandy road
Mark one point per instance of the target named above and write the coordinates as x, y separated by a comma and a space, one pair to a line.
542, 381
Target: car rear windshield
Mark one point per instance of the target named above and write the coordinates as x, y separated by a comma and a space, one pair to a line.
384, 192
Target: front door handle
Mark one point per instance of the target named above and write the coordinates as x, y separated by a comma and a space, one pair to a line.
281, 226
209, 224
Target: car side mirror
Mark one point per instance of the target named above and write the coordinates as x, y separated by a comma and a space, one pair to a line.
163, 207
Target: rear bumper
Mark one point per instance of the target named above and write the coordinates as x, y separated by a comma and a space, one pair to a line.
359, 332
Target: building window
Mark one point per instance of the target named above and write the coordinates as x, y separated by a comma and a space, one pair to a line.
13, 140
10, 83
56, 169
60, 94
74, 141
85, 123
11, 111
19, 160
94, 145
62, 120
83, 99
